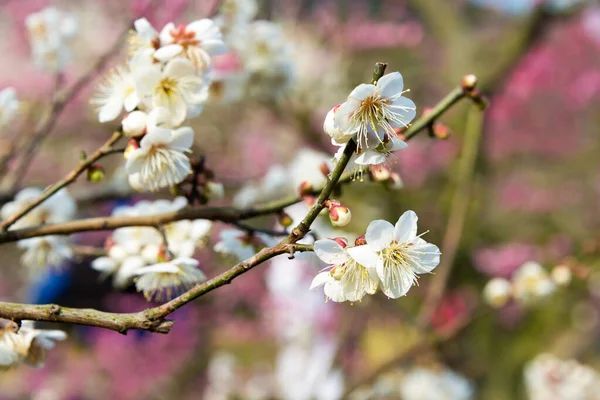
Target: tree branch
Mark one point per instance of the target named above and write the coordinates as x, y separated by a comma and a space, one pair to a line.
71, 177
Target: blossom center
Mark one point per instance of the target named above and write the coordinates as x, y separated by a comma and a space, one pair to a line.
183, 37
397, 255
167, 86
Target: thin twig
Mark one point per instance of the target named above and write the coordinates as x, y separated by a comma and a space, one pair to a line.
71, 177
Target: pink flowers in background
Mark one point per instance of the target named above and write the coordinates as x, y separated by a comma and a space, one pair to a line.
424, 158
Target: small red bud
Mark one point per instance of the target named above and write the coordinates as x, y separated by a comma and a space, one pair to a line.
132, 145
379, 173
441, 131
426, 111
340, 215
360, 241
324, 167
305, 188
341, 241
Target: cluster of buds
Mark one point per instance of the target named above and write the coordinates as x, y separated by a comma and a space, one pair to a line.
437, 129
339, 215
201, 185
306, 190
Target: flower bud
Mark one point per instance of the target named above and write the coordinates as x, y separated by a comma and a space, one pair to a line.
132, 145
134, 124
426, 111
340, 215
95, 173
395, 182
497, 292
561, 275
441, 131
325, 170
468, 82
214, 190
379, 173
285, 220
360, 241
341, 241
305, 188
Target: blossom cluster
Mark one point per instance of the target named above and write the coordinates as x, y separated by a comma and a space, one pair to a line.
164, 83
389, 258
25, 344
529, 284
44, 251
160, 263
50, 31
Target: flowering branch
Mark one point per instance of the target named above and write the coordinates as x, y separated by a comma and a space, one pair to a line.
152, 319
70, 178
223, 214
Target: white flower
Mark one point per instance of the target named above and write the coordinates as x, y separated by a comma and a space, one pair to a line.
58, 208
425, 384
161, 159
137, 122
48, 31
44, 251
532, 283
550, 378
9, 106
28, 345
115, 93
177, 87
345, 279
184, 236
143, 42
561, 275
376, 109
237, 11
240, 244
497, 292
163, 280
398, 254
197, 41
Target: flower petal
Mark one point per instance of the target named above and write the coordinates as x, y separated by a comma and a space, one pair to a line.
179, 67
330, 252
428, 255
183, 138
320, 279
168, 52
406, 227
390, 85
364, 255
405, 110
379, 234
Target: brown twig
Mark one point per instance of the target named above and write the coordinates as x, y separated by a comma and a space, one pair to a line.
71, 177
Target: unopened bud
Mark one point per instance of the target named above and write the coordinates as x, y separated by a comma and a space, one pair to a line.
395, 182
95, 173
324, 167
340, 215
479, 99
341, 241
497, 292
214, 190
426, 111
379, 173
360, 241
285, 220
309, 200
305, 188
468, 82
134, 124
132, 145
441, 131
561, 275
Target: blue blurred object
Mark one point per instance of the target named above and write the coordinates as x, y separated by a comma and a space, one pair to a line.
50, 285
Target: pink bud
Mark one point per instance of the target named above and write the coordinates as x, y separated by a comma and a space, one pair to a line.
360, 241
341, 241
305, 188
340, 215
132, 145
379, 173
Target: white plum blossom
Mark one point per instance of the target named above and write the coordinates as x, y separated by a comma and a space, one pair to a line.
58, 208
28, 345
143, 42
345, 279
398, 254
44, 251
376, 110
427, 384
163, 280
532, 283
116, 93
497, 292
9, 106
137, 122
49, 31
186, 235
549, 378
198, 41
177, 87
162, 159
